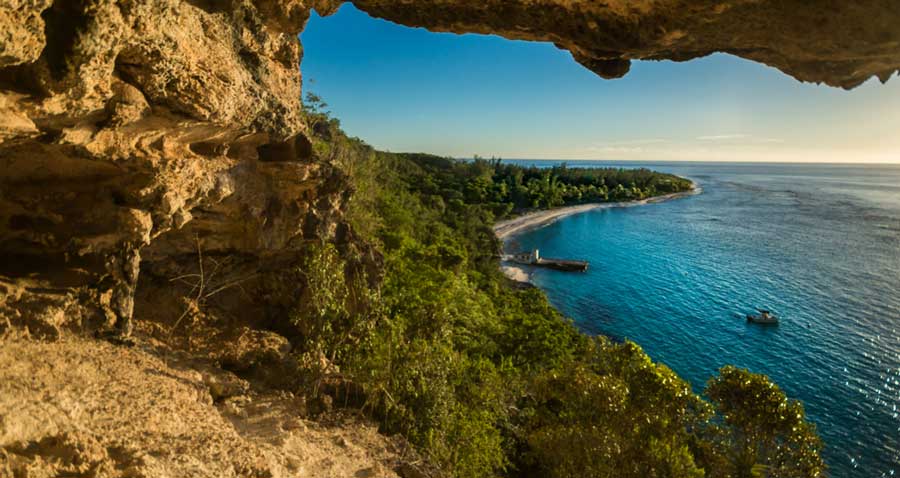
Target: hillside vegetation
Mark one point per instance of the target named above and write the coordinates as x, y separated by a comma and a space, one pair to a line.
490, 380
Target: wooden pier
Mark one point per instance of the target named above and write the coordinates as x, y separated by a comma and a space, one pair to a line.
562, 265
533, 258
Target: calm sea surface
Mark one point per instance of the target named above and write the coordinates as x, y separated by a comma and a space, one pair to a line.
819, 245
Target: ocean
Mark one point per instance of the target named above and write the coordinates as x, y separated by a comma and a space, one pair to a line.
817, 244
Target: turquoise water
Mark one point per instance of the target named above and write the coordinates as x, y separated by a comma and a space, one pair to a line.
820, 245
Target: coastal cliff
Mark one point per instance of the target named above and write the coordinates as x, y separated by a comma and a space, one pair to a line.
157, 170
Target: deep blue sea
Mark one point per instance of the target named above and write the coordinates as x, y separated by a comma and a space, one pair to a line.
817, 244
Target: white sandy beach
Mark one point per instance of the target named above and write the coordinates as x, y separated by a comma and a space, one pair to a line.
536, 219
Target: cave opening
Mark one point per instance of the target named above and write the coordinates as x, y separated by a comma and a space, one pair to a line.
411, 89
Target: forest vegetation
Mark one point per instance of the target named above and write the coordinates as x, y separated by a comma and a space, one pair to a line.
507, 188
487, 379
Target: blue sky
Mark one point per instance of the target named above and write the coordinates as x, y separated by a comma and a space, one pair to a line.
407, 89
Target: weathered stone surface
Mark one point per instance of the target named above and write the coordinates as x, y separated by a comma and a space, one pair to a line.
85, 408
131, 132
22, 35
838, 42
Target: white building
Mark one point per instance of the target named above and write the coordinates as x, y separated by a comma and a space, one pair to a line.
532, 257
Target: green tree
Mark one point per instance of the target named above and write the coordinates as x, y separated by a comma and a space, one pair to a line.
614, 413
763, 432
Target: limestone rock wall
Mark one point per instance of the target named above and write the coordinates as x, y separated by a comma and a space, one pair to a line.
135, 133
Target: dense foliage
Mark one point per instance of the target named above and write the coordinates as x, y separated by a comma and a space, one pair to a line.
489, 380
505, 188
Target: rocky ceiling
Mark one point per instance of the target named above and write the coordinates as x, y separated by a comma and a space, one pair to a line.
838, 42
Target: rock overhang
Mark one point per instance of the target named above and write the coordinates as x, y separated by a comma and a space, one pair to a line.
835, 42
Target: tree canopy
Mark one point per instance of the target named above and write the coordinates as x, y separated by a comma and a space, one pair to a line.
487, 379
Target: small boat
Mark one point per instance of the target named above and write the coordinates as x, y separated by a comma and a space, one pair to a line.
764, 317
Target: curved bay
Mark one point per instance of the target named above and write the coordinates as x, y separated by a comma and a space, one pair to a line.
819, 244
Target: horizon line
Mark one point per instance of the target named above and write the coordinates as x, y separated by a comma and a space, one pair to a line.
823, 163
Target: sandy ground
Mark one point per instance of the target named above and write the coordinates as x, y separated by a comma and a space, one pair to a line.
537, 219
81, 407
533, 220
515, 273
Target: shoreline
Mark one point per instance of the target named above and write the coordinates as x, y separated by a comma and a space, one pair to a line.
508, 228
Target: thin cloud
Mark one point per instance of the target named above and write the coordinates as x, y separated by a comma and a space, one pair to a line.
722, 137
739, 138
628, 146
770, 140
636, 142
616, 149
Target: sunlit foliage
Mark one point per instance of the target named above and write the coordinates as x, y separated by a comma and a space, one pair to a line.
763, 432
487, 379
